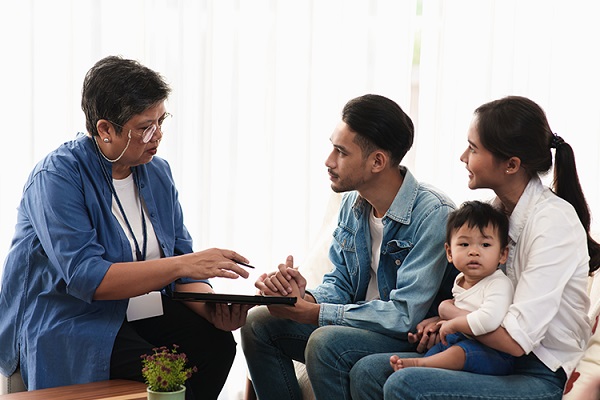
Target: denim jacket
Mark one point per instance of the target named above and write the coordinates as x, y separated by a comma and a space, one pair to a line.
66, 238
412, 262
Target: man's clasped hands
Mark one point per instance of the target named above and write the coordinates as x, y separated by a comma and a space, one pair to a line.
288, 281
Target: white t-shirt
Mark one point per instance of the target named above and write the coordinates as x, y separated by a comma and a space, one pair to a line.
128, 195
548, 264
376, 228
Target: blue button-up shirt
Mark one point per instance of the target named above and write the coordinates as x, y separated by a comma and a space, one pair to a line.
66, 238
411, 268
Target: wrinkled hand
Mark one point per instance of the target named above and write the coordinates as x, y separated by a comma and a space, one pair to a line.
427, 334
280, 282
229, 317
212, 263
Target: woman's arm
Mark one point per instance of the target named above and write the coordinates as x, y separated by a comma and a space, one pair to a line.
502, 341
130, 279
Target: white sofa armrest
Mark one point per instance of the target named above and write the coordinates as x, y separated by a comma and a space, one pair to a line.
12, 384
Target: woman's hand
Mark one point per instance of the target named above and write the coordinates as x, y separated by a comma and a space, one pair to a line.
229, 317
212, 263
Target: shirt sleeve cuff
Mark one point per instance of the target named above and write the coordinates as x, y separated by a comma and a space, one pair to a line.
331, 314
511, 324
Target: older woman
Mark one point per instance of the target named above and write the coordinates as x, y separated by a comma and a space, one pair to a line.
99, 246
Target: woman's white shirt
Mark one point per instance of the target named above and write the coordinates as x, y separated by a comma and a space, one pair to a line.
548, 264
130, 200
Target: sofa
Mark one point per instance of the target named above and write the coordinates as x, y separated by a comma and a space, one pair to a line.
12, 384
583, 384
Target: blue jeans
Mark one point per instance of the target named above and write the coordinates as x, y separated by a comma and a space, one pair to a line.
479, 358
329, 352
373, 378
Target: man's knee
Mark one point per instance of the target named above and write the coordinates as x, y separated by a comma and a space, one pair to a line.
330, 345
399, 384
321, 340
256, 322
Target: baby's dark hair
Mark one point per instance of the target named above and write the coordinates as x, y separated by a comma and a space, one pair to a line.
478, 214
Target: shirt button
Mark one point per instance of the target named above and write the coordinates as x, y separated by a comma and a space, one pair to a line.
398, 262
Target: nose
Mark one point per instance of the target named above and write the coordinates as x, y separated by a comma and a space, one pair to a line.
329, 161
463, 156
473, 251
158, 134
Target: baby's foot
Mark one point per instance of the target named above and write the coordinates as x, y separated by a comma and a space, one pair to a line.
402, 363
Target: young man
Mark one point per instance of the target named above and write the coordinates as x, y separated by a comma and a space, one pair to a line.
388, 257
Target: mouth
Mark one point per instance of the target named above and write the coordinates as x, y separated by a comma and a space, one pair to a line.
332, 176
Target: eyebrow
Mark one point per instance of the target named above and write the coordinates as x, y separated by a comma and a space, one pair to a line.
151, 121
341, 148
337, 146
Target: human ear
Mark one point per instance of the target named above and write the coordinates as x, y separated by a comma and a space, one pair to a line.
503, 255
103, 127
379, 160
104, 132
448, 252
513, 165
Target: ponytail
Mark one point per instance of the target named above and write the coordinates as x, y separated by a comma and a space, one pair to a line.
517, 126
566, 185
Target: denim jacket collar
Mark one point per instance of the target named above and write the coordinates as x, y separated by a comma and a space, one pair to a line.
401, 208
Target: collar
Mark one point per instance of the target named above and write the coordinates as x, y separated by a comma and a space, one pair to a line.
525, 205
401, 208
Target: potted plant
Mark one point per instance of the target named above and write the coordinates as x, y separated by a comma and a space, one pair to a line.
165, 373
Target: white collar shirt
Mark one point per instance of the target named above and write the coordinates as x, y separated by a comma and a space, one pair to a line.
548, 265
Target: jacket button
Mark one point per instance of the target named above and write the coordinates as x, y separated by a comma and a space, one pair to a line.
398, 262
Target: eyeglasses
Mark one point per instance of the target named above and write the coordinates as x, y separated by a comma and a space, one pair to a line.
148, 133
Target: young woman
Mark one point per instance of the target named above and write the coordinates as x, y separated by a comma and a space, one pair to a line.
551, 254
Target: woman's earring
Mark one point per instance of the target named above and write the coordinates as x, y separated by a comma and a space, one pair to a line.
106, 140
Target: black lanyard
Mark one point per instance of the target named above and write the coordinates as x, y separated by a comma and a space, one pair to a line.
139, 255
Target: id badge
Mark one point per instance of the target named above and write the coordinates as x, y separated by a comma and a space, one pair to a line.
144, 306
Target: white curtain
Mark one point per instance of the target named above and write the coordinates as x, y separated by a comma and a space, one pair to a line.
475, 51
259, 85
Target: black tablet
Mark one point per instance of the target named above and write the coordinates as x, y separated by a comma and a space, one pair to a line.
234, 298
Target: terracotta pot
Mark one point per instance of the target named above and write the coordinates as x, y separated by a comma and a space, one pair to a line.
178, 395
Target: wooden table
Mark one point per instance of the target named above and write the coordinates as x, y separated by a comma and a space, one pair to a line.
105, 390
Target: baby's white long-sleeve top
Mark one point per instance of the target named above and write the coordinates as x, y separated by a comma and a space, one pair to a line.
488, 301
